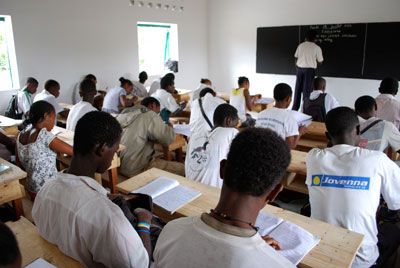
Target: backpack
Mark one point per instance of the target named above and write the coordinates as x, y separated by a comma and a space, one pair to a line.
316, 108
12, 109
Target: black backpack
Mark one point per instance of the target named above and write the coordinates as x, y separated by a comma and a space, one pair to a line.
316, 108
12, 109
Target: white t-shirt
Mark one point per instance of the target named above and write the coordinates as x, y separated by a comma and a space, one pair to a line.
205, 152
279, 120
75, 214
154, 86
139, 90
381, 135
197, 121
307, 54
166, 100
25, 100
112, 100
190, 242
344, 184
50, 98
388, 109
330, 101
195, 94
76, 113
238, 100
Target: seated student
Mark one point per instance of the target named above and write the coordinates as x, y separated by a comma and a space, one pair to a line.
25, 98
142, 127
37, 147
74, 211
10, 256
206, 150
116, 98
7, 146
202, 111
280, 119
87, 91
345, 183
319, 102
388, 106
195, 94
376, 134
226, 236
164, 95
156, 84
50, 94
240, 99
76, 97
139, 89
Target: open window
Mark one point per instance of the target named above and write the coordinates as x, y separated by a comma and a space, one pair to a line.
8, 62
158, 47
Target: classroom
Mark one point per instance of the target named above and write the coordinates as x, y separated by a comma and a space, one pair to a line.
199, 133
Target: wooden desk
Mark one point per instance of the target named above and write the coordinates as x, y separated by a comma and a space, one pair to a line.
176, 146
316, 131
66, 106
9, 125
308, 144
183, 95
33, 246
263, 103
337, 247
298, 162
10, 188
68, 137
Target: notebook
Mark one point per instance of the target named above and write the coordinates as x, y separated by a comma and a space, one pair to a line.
168, 194
302, 119
264, 101
40, 263
182, 129
295, 241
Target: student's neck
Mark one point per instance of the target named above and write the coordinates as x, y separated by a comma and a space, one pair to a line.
82, 166
280, 105
366, 116
343, 141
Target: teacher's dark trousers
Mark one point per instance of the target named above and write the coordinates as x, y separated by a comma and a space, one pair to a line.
304, 84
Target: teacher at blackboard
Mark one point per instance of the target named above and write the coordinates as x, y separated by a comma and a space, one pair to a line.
308, 55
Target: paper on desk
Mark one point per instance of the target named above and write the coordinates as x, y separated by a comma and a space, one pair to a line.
182, 129
302, 119
157, 187
9, 122
264, 101
40, 263
176, 198
266, 223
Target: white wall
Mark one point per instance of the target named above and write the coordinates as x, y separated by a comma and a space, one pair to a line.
233, 30
64, 40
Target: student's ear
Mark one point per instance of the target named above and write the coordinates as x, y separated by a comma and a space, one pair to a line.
288, 99
99, 150
274, 193
222, 166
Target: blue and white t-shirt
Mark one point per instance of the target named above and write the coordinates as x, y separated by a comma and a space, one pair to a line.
344, 184
279, 120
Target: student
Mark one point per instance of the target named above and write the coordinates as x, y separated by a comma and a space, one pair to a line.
166, 99
24, 97
388, 106
202, 111
376, 134
91, 77
50, 94
345, 183
157, 83
308, 55
142, 127
116, 98
74, 211
240, 99
279, 119
204, 83
87, 91
319, 102
207, 150
226, 236
139, 89
37, 147
76, 97
10, 256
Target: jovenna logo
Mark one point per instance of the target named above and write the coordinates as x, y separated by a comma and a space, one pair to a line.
347, 182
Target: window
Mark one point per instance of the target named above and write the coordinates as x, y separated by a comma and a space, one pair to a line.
158, 44
8, 62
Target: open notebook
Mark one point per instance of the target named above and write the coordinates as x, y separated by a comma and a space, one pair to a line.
168, 193
302, 119
294, 240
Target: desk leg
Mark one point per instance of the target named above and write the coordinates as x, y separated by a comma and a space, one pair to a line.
113, 178
179, 155
19, 210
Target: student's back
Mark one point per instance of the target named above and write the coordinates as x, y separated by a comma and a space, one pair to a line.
388, 105
279, 120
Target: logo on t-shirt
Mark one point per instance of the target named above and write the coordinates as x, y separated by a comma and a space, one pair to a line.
199, 158
345, 182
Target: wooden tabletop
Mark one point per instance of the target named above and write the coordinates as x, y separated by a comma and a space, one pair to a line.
14, 173
337, 247
316, 131
10, 188
298, 162
33, 246
66, 106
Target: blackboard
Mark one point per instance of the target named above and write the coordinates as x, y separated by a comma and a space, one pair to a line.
360, 50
